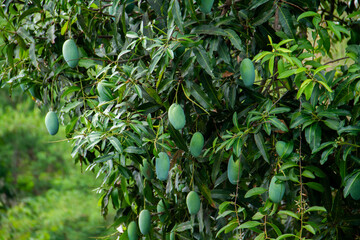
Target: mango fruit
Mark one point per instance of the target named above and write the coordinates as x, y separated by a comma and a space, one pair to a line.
206, 5
355, 189
70, 53
196, 144
146, 170
247, 72
193, 202
52, 122
132, 231
176, 116
276, 190
162, 166
172, 235
144, 221
104, 92
234, 170
161, 208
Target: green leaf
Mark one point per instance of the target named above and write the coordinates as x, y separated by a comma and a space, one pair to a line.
209, 30
276, 228
249, 224
286, 22
177, 15
71, 106
310, 229
116, 144
234, 38
70, 90
351, 182
278, 124
284, 149
287, 73
309, 90
315, 209
259, 140
203, 59
261, 236
104, 158
199, 95
308, 174
178, 139
325, 155
287, 235
313, 135
353, 130
316, 186
279, 110
303, 87
289, 213
255, 191
308, 14
287, 165
231, 225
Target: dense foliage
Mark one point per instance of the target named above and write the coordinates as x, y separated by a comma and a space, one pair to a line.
295, 128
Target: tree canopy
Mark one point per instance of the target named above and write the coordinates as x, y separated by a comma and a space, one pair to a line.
269, 90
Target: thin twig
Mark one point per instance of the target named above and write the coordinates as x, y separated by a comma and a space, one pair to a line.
336, 60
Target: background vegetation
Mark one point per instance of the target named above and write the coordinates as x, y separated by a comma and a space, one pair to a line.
42, 194
299, 121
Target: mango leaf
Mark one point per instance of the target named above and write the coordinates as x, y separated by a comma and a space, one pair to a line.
116, 144
325, 155
176, 12
255, 191
284, 149
249, 224
313, 135
178, 139
310, 229
351, 182
287, 235
234, 38
231, 225
289, 213
259, 140
278, 124
316, 186
203, 59
199, 95
315, 208
308, 14
286, 22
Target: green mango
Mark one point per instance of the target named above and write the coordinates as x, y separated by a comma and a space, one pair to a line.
234, 169
247, 72
355, 189
144, 221
172, 235
196, 144
104, 92
162, 166
146, 170
276, 190
193, 202
52, 122
132, 231
161, 208
176, 116
206, 5
70, 53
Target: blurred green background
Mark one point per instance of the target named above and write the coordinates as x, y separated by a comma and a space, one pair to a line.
43, 194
